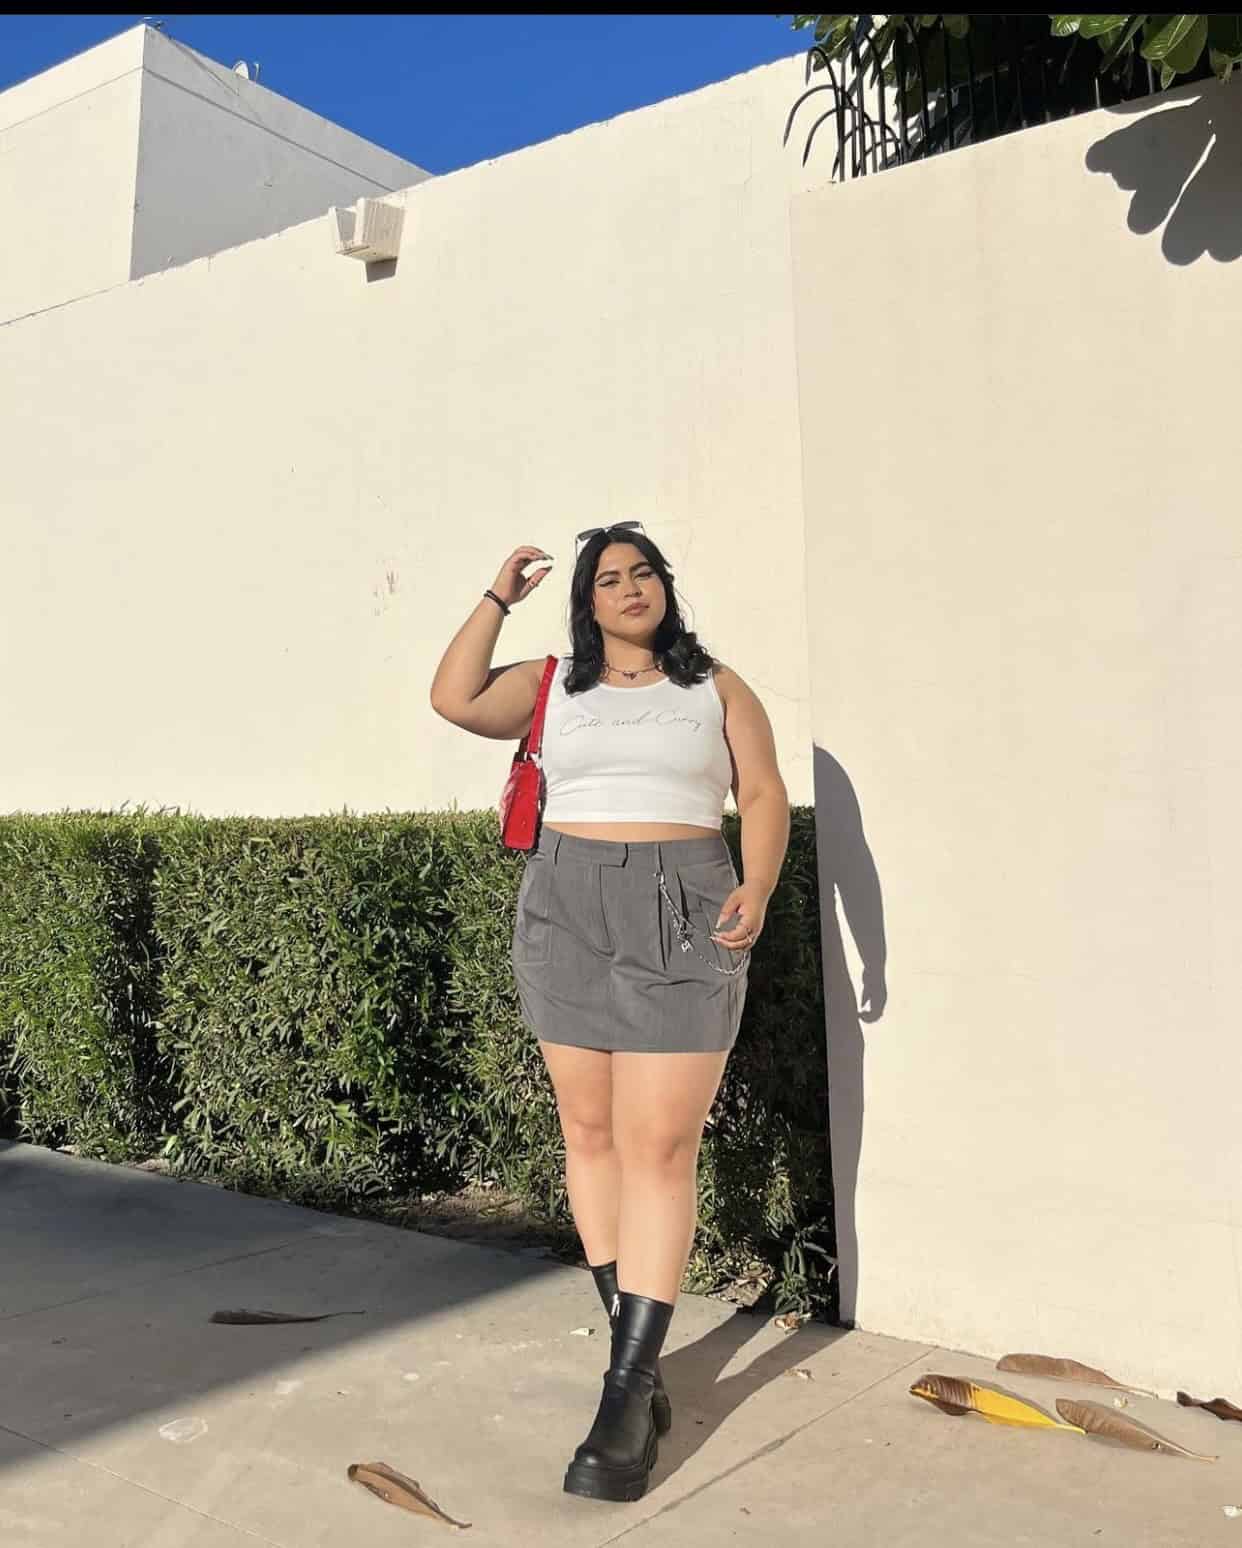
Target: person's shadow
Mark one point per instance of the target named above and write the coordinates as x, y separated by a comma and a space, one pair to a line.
1183, 165
702, 1400
847, 871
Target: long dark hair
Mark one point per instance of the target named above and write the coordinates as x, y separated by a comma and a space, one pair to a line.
677, 649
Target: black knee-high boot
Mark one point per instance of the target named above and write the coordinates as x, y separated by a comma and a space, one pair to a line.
615, 1460
606, 1283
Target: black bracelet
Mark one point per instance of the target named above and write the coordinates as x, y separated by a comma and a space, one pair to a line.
503, 606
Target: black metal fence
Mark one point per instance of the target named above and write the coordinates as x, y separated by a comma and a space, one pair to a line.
941, 92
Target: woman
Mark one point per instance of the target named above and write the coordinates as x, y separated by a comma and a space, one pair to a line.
631, 944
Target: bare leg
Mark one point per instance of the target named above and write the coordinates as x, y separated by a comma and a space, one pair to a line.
582, 1081
660, 1102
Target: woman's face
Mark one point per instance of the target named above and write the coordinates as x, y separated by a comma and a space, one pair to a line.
628, 595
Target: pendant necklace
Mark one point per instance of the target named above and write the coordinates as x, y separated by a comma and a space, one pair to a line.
638, 672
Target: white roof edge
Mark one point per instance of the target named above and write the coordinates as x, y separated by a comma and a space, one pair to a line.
73, 77
147, 48
180, 65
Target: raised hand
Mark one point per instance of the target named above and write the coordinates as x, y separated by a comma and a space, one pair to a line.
510, 585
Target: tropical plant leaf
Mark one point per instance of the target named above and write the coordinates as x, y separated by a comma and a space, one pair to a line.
832, 33
875, 51
1114, 51
1095, 1419
1186, 55
395, 1488
1221, 1407
1056, 1369
1098, 26
953, 1395
1173, 43
1162, 35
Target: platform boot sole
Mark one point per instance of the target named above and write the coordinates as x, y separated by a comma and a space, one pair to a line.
613, 1483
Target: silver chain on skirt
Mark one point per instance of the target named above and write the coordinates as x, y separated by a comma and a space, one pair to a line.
685, 930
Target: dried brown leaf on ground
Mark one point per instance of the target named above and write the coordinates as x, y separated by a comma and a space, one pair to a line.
395, 1488
1221, 1407
953, 1395
241, 1318
1098, 1420
1057, 1369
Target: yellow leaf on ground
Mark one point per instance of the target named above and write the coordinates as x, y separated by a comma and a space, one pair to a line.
953, 1395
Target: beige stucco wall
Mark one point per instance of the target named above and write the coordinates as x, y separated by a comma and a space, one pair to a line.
68, 162
1024, 560
247, 501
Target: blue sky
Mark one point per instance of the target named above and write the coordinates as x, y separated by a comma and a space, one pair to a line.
446, 91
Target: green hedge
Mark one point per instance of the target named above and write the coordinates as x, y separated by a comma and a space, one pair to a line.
322, 1009
79, 982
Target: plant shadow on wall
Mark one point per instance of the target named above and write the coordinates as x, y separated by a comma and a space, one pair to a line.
1182, 164
847, 871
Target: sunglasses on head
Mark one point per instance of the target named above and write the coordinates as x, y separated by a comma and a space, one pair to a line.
617, 526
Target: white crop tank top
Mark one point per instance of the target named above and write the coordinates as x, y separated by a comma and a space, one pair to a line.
651, 754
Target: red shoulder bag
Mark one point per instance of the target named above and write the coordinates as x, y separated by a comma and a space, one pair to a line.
521, 802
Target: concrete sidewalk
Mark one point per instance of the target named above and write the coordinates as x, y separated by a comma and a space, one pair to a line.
127, 1418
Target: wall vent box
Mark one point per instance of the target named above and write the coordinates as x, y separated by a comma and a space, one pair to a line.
370, 229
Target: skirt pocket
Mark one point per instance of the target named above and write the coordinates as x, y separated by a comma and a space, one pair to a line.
532, 930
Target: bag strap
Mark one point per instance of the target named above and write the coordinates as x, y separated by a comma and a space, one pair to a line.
532, 742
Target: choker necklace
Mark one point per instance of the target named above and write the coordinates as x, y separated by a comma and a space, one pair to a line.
631, 675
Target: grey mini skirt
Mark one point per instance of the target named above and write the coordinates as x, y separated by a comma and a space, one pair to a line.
599, 956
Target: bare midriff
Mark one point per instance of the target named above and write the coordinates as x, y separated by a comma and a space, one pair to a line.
633, 832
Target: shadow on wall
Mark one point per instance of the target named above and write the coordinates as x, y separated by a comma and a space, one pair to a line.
847, 871
1183, 165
